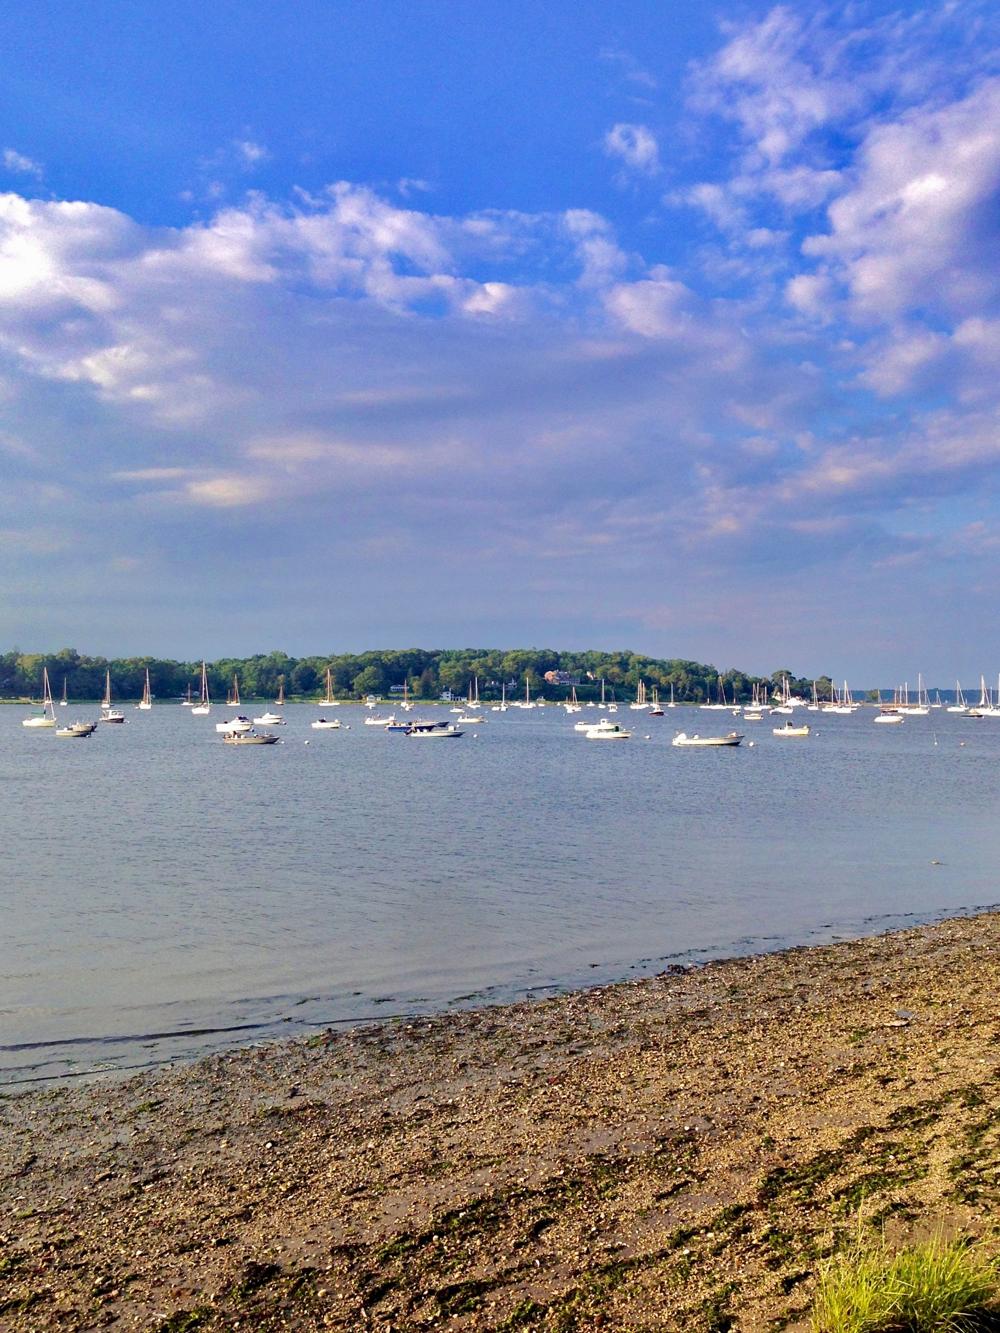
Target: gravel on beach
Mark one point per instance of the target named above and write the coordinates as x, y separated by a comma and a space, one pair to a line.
678, 1152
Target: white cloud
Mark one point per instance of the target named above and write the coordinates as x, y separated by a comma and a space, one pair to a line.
653, 307
18, 162
916, 225
635, 145
249, 153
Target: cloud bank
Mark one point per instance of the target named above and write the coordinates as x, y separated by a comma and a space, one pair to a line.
808, 381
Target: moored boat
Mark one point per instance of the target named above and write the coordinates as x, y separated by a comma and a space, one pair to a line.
729, 740
47, 717
76, 730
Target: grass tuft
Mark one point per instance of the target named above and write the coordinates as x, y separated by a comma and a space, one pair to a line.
938, 1287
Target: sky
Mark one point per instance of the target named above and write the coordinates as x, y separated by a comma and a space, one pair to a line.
348, 325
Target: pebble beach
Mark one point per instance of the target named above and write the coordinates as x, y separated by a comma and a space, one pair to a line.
677, 1152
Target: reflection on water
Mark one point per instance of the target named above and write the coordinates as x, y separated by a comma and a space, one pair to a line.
157, 881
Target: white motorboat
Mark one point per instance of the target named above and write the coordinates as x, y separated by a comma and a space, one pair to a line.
204, 705
730, 739
250, 738
610, 733
109, 714
269, 719
602, 724
791, 730
469, 718
47, 717
374, 721
76, 730
888, 718
235, 726
440, 733
326, 724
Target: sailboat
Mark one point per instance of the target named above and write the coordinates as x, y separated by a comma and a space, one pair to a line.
470, 712
328, 701
407, 703
640, 695
146, 702
186, 703
922, 707
47, 717
655, 710
109, 714
204, 705
502, 706
233, 697
527, 701
672, 703
723, 702
959, 706
64, 701
572, 705
280, 701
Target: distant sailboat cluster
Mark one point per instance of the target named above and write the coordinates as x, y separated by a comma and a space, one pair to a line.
768, 698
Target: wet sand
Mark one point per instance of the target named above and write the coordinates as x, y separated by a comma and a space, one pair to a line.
671, 1153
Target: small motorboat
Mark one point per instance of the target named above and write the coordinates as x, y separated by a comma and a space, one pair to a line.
888, 718
234, 726
76, 730
602, 724
613, 732
731, 738
326, 724
250, 738
790, 729
269, 719
374, 721
436, 731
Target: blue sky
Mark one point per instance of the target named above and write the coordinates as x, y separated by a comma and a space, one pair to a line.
333, 326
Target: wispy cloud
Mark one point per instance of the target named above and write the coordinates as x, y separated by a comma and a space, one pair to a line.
19, 163
635, 146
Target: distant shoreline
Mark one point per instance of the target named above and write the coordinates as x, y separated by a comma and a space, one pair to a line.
653, 1150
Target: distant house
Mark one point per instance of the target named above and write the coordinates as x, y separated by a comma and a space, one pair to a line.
397, 689
561, 678
447, 697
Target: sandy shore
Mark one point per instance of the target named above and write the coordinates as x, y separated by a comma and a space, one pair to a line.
671, 1153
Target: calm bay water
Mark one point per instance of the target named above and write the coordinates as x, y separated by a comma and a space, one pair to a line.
165, 894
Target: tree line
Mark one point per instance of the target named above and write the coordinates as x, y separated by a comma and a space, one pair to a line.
426, 673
